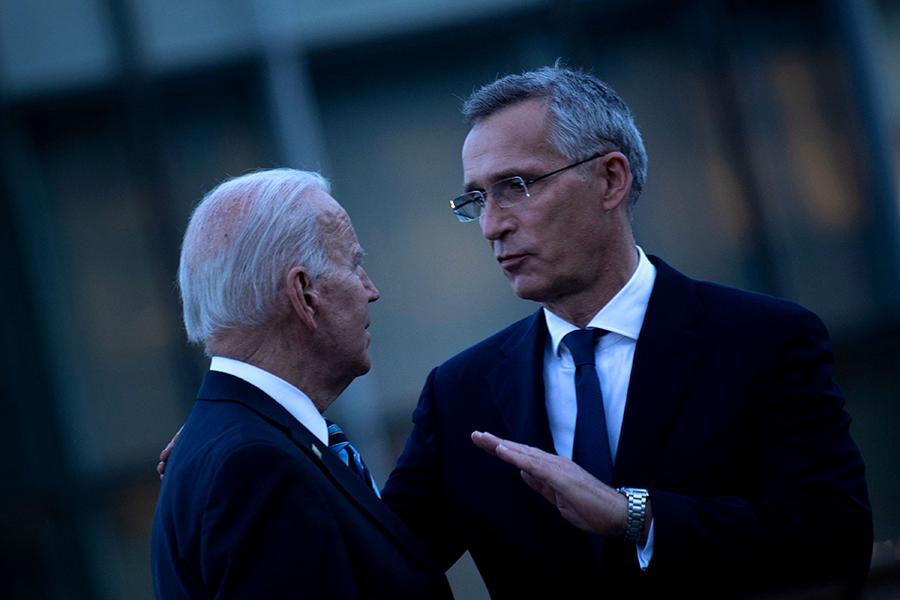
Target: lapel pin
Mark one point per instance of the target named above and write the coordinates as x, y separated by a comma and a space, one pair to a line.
316, 451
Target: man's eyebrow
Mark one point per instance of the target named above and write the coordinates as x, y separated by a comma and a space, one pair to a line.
494, 178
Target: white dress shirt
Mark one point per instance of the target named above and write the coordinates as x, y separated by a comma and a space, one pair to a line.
622, 317
292, 399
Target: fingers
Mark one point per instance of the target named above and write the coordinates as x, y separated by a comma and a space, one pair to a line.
491, 443
521, 458
517, 455
536, 462
582, 499
552, 470
486, 442
164, 455
167, 451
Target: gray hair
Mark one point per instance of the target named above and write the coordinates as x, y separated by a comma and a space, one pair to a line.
242, 239
586, 115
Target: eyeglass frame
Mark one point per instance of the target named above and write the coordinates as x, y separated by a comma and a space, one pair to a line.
481, 197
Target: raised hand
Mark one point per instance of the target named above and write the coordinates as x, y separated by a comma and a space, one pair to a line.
581, 498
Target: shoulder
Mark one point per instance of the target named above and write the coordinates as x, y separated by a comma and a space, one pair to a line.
741, 303
245, 474
708, 301
495, 347
758, 328
229, 456
224, 436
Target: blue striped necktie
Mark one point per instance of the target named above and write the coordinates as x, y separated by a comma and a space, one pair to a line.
338, 442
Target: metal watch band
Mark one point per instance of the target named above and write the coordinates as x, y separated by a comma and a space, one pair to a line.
637, 511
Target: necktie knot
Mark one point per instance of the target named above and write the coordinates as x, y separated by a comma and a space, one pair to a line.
338, 442
581, 344
336, 436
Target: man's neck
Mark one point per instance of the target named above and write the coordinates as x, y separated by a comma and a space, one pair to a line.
579, 309
281, 357
301, 370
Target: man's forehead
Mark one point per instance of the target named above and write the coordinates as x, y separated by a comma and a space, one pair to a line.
339, 229
323, 201
509, 142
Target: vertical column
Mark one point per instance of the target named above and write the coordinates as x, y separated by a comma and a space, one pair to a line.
855, 25
293, 107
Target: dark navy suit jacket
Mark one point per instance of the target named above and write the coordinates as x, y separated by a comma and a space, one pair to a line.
253, 505
732, 421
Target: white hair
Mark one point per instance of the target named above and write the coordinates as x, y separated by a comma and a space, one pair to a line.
586, 115
241, 241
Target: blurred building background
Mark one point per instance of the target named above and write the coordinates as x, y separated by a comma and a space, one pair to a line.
773, 130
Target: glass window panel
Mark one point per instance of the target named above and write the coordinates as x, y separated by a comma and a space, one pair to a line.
806, 149
212, 128
54, 43
693, 211
110, 307
176, 33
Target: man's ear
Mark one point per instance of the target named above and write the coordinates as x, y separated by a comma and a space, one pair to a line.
616, 171
302, 295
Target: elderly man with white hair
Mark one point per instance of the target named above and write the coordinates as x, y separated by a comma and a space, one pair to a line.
264, 498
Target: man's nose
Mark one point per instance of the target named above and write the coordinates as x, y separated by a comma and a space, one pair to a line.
495, 220
371, 290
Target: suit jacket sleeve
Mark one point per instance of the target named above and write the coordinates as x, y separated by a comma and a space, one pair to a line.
415, 489
254, 515
801, 511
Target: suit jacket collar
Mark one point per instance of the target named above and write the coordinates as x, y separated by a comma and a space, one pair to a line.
222, 387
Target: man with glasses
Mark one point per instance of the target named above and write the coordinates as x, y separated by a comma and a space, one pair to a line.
672, 435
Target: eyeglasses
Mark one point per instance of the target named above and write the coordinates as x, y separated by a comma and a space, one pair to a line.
506, 192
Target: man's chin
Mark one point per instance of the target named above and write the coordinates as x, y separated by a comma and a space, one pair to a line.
365, 366
525, 289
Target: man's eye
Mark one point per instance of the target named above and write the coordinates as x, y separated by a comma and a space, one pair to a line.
513, 186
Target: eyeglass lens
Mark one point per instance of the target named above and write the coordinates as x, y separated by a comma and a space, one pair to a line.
506, 193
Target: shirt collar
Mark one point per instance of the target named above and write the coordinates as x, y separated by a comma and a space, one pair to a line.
622, 315
291, 398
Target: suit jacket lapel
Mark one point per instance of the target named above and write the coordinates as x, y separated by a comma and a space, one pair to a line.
517, 384
224, 387
667, 355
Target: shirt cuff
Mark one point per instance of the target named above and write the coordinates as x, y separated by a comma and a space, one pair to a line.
645, 551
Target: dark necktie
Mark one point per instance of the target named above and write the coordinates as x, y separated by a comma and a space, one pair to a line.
591, 447
338, 442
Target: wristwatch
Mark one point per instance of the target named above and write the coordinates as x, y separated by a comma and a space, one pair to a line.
637, 511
